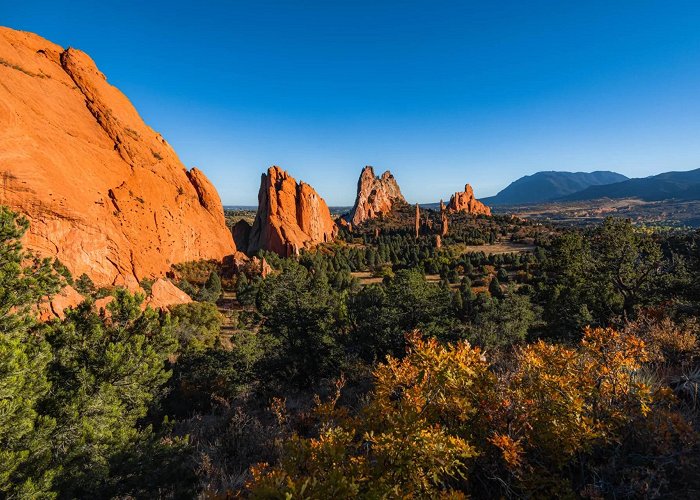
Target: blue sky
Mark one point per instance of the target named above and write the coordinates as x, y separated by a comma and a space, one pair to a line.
439, 92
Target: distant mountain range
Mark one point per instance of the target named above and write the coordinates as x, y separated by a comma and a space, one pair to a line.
549, 186
668, 185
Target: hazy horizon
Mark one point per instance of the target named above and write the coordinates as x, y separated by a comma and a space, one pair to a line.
440, 94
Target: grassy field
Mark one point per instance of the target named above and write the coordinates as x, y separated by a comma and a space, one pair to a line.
497, 248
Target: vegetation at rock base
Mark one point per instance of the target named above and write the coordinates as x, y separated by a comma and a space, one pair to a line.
376, 366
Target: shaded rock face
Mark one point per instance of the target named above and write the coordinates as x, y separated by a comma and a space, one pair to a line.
103, 192
290, 216
465, 202
375, 195
241, 234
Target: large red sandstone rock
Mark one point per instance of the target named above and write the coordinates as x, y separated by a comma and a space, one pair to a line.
465, 202
104, 192
164, 294
375, 195
290, 216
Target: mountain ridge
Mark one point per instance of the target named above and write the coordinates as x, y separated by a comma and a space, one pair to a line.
549, 185
681, 185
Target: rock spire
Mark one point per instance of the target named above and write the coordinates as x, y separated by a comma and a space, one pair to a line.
290, 216
375, 195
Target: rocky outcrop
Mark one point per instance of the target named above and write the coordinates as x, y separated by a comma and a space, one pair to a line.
68, 297
443, 220
103, 192
375, 195
290, 216
417, 221
164, 294
465, 202
260, 266
241, 234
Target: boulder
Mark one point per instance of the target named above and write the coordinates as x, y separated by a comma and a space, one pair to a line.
164, 294
55, 308
101, 304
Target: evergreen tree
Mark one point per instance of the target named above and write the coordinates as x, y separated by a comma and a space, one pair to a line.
495, 287
105, 374
299, 317
85, 286
24, 355
211, 291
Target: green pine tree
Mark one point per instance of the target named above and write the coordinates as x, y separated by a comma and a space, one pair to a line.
24, 355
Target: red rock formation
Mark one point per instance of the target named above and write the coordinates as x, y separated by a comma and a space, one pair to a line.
67, 297
417, 223
241, 234
465, 202
103, 192
290, 216
101, 304
375, 195
443, 219
261, 266
164, 294
342, 222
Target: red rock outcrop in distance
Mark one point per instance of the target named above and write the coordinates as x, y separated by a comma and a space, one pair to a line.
375, 195
465, 202
103, 192
290, 216
443, 220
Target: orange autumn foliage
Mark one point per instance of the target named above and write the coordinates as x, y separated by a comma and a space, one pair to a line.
443, 422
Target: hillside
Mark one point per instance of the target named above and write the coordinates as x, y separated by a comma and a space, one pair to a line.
668, 185
550, 185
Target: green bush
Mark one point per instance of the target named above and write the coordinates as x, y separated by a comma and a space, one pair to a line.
196, 325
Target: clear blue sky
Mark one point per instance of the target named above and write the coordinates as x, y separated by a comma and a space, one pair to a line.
438, 92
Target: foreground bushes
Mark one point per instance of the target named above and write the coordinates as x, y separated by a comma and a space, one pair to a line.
555, 421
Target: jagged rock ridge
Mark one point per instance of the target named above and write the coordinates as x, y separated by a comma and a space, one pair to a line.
290, 216
375, 195
104, 192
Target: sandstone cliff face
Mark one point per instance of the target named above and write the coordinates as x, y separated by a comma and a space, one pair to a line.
104, 192
465, 202
290, 216
375, 195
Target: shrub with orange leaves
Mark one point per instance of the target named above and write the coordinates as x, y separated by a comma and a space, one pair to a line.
669, 344
563, 408
408, 441
442, 422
